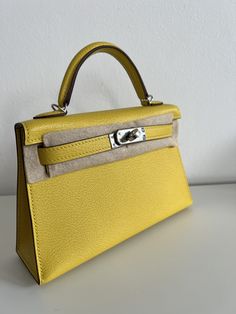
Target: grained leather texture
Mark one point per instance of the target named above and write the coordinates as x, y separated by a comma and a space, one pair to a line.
159, 131
36, 128
79, 149
37, 172
65, 220
24, 233
77, 216
60, 153
73, 227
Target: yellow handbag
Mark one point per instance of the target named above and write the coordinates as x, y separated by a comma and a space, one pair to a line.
89, 181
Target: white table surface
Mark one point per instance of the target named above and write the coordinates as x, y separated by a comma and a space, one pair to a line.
186, 264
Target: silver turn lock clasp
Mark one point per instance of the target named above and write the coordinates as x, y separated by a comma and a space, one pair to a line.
127, 136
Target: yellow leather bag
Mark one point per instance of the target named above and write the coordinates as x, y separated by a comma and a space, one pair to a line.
89, 181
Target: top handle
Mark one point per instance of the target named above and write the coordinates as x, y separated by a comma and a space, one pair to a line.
97, 47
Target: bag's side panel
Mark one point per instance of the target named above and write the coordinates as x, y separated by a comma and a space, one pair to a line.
79, 215
24, 235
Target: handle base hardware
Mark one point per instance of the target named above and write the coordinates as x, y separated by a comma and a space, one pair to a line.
56, 107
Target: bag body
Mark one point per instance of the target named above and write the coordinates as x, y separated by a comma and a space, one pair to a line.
89, 181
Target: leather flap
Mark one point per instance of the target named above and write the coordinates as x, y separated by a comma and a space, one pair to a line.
35, 129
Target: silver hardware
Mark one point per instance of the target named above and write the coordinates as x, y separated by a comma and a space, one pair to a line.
148, 101
130, 136
150, 98
127, 136
56, 107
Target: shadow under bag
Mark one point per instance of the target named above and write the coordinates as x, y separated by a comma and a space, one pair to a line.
89, 181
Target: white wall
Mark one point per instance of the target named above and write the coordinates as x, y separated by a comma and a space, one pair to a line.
185, 51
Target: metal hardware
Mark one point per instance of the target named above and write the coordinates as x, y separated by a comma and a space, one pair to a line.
56, 107
130, 136
127, 136
148, 101
150, 98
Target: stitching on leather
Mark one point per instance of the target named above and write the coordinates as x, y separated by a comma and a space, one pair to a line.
112, 50
37, 139
159, 137
33, 267
83, 142
58, 159
36, 236
77, 154
75, 164
27, 129
86, 141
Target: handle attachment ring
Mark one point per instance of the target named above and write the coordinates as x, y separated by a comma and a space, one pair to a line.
63, 109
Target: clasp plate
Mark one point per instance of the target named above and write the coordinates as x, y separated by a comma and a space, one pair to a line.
127, 136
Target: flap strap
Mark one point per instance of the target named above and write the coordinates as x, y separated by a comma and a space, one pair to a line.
61, 153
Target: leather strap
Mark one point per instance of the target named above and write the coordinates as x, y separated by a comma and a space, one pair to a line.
61, 153
97, 47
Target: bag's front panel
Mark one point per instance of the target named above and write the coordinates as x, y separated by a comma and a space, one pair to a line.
81, 214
